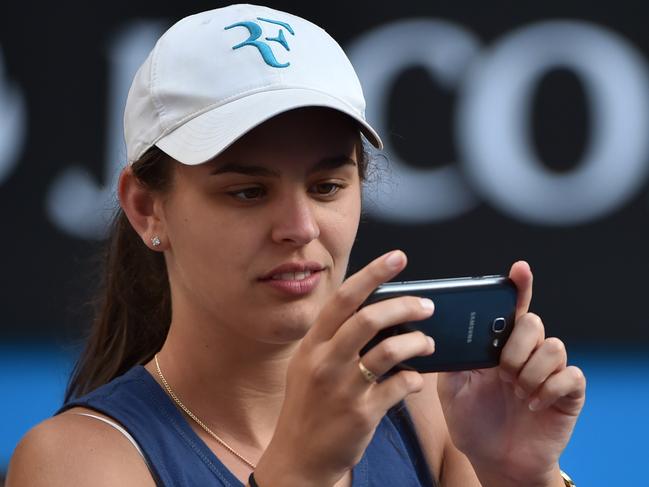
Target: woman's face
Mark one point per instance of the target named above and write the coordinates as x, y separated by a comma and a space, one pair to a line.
286, 194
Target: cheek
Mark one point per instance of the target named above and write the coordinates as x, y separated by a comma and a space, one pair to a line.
211, 249
339, 236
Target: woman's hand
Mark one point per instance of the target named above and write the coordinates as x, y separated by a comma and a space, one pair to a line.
330, 410
513, 421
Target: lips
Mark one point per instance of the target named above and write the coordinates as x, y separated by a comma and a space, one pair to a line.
291, 276
293, 271
294, 279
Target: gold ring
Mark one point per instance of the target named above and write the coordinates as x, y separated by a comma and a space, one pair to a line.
368, 375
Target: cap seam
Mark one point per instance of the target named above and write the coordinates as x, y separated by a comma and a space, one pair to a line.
159, 106
157, 103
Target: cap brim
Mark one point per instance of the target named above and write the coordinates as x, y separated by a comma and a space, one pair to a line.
208, 134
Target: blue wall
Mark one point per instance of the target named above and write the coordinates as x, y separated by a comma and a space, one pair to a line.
607, 447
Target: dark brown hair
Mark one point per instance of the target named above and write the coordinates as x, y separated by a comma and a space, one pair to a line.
133, 303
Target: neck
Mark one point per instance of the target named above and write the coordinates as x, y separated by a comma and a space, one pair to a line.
232, 383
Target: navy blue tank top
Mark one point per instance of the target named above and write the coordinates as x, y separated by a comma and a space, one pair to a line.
178, 457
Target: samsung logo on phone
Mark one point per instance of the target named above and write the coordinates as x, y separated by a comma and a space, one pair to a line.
469, 335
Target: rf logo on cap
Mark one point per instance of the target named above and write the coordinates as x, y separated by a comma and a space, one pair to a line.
264, 49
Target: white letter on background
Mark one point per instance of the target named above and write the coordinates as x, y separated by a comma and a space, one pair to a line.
494, 124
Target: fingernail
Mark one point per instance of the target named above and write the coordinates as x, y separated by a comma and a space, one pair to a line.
534, 404
432, 342
505, 376
520, 393
427, 304
395, 259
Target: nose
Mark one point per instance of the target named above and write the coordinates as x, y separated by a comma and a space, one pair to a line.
295, 221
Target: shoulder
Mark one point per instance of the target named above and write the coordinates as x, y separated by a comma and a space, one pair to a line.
70, 449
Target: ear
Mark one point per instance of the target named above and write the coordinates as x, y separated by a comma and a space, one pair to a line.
143, 208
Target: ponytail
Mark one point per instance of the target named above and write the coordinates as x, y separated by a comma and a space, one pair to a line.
133, 303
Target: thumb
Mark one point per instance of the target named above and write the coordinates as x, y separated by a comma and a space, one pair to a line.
521, 274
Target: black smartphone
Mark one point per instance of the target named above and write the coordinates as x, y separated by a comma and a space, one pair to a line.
473, 319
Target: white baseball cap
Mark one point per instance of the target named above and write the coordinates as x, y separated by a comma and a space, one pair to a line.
215, 75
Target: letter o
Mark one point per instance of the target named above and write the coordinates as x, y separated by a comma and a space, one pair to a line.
493, 121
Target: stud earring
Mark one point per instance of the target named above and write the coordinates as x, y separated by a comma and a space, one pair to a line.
155, 241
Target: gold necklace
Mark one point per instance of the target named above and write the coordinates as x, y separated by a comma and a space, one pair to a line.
198, 421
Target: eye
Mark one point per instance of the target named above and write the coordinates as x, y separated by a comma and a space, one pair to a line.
327, 188
248, 194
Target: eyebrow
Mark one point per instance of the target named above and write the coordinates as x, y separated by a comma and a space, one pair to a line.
327, 163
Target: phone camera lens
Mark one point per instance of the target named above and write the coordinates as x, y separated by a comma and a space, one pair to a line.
498, 326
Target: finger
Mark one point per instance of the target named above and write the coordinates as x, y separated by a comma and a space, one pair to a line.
395, 388
396, 349
358, 330
549, 358
521, 274
565, 390
527, 335
354, 291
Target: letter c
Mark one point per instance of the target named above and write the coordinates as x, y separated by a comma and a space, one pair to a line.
379, 56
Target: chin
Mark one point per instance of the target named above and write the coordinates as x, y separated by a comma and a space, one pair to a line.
291, 328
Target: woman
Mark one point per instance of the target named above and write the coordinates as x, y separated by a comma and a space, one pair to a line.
228, 340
